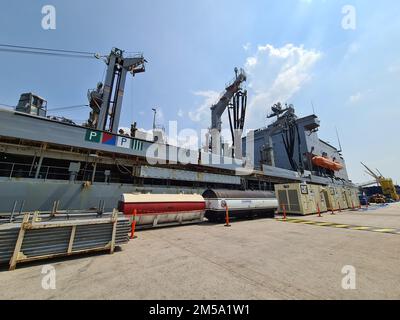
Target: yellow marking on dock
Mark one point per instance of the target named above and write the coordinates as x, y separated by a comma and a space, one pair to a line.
360, 228
341, 226
283, 220
290, 220
307, 222
384, 230
324, 224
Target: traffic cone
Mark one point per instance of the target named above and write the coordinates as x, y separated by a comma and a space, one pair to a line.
133, 226
227, 224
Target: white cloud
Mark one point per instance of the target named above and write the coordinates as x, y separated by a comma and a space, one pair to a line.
353, 49
394, 68
355, 98
247, 46
202, 112
251, 61
276, 74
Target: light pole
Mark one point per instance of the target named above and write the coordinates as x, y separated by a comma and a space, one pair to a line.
154, 118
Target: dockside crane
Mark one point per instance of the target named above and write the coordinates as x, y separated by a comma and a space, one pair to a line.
387, 185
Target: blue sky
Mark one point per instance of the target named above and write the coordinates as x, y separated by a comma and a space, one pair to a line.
295, 51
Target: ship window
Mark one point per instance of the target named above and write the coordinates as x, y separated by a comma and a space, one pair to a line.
25, 101
34, 110
36, 102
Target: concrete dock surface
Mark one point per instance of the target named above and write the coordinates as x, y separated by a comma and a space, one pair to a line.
256, 259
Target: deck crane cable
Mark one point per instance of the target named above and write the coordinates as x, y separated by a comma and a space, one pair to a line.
51, 52
47, 51
65, 55
299, 149
68, 107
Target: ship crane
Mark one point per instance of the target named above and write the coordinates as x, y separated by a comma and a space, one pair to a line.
235, 99
106, 100
285, 122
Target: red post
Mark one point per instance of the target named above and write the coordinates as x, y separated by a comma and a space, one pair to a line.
319, 210
333, 210
284, 211
133, 224
352, 205
227, 224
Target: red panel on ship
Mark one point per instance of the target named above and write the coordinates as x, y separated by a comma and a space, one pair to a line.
160, 203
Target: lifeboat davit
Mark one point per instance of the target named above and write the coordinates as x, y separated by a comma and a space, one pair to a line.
327, 163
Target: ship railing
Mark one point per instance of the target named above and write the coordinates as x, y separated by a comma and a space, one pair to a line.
13, 170
23, 170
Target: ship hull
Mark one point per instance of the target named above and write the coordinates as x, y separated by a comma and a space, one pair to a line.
41, 195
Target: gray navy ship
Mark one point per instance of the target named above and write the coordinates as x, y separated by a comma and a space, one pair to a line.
46, 160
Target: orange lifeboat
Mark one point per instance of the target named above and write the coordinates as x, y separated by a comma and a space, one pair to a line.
327, 163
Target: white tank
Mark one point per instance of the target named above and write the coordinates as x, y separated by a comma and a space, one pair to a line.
239, 203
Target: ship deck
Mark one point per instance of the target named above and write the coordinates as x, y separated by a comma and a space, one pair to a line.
259, 259
27, 135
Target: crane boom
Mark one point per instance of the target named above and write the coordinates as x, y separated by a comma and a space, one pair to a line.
371, 173
235, 99
219, 108
388, 187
